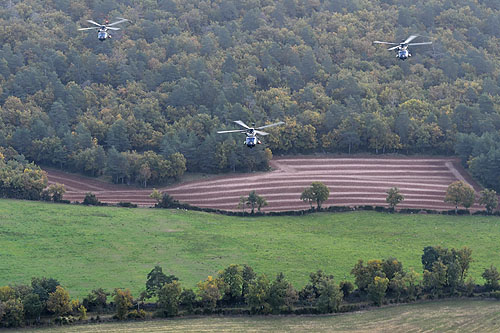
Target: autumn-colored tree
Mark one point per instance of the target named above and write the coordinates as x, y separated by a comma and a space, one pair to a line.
59, 302
56, 191
459, 193
377, 289
123, 301
209, 292
169, 298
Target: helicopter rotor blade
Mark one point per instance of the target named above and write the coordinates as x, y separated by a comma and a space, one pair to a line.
387, 43
261, 133
392, 48
409, 39
232, 131
239, 122
424, 43
271, 125
92, 28
112, 28
93, 22
117, 22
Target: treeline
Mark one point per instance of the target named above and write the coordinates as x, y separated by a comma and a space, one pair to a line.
238, 289
184, 69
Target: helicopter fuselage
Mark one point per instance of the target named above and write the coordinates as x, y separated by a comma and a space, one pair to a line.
403, 53
251, 139
102, 34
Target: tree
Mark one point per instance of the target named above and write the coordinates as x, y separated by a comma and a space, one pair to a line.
307, 196
232, 280
117, 136
43, 287
32, 306
188, 299
209, 292
318, 192
13, 313
253, 200
492, 278
96, 300
435, 280
377, 289
59, 302
310, 292
463, 258
248, 278
258, 295
144, 174
117, 165
364, 275
56, 191
6, 293
156, 280
330, 296
281, 294
459, 193
123, 301
394, 197
261, 202
169, 298
489, 199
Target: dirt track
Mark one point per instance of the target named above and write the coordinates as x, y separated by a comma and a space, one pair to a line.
352, 182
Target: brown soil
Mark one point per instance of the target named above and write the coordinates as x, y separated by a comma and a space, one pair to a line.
353, 181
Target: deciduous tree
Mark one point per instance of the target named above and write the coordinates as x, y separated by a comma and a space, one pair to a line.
489, 199
459, 193
59, 302
394, 197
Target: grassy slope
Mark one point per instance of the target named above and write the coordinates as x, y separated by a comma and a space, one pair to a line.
441, 316
90, 247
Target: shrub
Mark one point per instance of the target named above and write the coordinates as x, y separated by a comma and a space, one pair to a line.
134, 314
91, 199
126, 204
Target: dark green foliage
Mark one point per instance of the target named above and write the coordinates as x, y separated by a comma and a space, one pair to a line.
43, 287
492, 278
489, 199
232, 278
156, 279
91, 200
330, 296
96, 300
310, 292
187, 300
346, 287
169, 298
275, 60
32, 306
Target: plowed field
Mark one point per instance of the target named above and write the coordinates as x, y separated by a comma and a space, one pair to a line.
352, 181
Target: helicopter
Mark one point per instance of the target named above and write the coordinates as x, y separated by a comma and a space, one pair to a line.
251, 132
402, 48
102, 32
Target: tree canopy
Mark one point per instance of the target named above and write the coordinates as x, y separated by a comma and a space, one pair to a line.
181, 70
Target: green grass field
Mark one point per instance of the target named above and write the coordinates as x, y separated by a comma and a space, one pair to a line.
91, 247
438, 316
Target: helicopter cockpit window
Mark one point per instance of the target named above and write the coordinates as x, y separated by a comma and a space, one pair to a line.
101, 35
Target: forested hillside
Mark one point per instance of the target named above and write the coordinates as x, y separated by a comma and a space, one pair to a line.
146, 104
